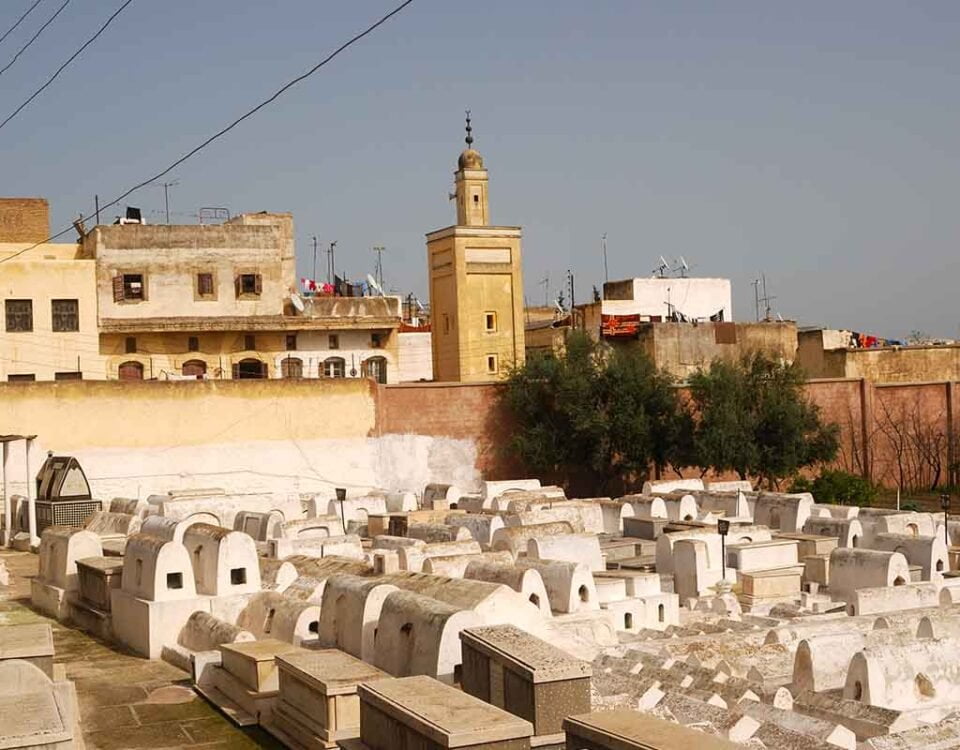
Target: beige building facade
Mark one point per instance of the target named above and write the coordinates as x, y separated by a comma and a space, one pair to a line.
138, 302
476, 285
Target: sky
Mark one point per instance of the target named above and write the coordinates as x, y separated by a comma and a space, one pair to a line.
815, 143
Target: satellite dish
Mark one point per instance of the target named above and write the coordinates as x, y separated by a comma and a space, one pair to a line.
296, 302
375, 286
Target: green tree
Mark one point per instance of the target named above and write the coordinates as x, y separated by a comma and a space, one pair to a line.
752, 417
595, 415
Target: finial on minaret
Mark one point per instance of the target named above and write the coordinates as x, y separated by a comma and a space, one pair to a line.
469, 138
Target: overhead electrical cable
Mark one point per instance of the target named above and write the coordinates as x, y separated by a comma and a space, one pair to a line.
26, 13
69, 60
32, 39
220, 133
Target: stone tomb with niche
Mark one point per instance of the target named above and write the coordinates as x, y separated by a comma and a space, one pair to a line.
318, 702
522, 674
420, 712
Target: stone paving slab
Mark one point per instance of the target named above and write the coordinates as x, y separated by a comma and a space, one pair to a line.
126, 703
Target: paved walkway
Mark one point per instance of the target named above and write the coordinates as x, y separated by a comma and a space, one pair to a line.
125, 701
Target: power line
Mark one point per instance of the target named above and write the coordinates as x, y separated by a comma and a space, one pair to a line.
13, 28
69, 60
283, 89
24, 48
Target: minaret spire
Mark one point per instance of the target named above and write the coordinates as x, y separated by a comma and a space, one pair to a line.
469, 138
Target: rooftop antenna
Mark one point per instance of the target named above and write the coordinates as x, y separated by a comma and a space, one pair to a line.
469, 138
767, 299
314, 277
603, 245
331, 267
378, 273
683, 267
545, 283
756, 297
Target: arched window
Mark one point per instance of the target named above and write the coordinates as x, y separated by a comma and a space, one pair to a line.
334, 367
249, 369
376, 368
195, 368
130, 371
291, 367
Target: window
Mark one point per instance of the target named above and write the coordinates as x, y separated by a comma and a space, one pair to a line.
130, 371
476, 197
333, 341
376, 340
19, 315
492, 364
205, 287
238, 576
249, 285
65, 315
376, 368
193, 344
334, 367
129, 287
490, 322
174, 580
249, 342
25, 377
130, 345
291, 367
68, 376
291, 342
196, 368
249, 369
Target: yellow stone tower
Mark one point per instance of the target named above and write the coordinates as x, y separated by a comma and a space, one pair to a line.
476, 285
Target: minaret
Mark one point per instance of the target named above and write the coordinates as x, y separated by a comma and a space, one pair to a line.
476, 285
471, 186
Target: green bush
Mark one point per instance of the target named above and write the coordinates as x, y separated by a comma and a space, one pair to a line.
837, 487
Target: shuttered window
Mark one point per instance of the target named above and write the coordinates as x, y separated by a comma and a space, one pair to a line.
249, 284
65, 315
19, 314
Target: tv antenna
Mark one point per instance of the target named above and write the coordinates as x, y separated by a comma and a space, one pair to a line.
603, 246
662, 269
378, 273
766, 299
545, 283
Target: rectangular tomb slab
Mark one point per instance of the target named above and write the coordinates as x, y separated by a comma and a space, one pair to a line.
427, 713
318, 694
624, 729
32, 643
254, 662
525, 675
98, 577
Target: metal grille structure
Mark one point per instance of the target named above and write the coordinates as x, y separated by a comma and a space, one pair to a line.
65, 512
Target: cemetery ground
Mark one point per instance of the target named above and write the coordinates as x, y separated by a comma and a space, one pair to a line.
125, 701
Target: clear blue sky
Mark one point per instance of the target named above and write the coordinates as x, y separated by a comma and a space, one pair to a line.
814, 141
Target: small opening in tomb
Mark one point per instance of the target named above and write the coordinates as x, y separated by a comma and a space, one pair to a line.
268, 623
174, 580
584, 594
407, 628
939, 566
315, 627
458, 674
661, 614
857, 691
238, 576
913, 529
898, 581
375, 631
627, 621
856, 540
139, 572
688, 517
535, 600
